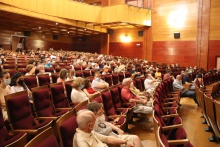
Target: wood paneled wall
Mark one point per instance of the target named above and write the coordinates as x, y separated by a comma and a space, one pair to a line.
174, 16
214, 34
88, 44
37, 40
181, 52
131, 49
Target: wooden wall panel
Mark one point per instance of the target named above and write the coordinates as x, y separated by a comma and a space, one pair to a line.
133, 33
174, 16
214, 50
181, 52
131, 49
37, 40
89, 44
215, 20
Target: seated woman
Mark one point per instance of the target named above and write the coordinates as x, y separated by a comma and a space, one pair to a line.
17, 83
77, 95
71, 75
88, 90
62, 75
5, 89
30, 69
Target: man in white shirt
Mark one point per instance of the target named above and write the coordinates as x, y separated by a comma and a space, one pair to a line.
177, 84
98, 84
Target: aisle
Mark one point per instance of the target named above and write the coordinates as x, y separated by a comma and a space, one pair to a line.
192, 123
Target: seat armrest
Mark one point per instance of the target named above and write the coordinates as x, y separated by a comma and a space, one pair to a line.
172, 127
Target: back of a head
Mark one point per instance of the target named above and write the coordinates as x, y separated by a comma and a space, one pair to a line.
84, 117
94, 107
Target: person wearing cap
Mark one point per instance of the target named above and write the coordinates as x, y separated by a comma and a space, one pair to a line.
98, 84
128, 96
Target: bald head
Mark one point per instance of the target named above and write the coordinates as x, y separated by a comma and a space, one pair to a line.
84, 117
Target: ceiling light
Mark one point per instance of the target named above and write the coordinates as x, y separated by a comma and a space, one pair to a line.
56, 23
85, 29
39, 27
68, 32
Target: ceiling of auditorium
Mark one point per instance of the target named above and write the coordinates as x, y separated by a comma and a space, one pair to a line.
20, 23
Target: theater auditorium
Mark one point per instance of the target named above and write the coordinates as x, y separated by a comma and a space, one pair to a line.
118, 73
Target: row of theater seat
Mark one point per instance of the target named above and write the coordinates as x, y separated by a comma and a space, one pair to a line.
168, 126
19, 110
210, 109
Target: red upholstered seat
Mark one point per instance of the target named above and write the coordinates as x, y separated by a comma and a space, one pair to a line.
138, 84
121, 76
68, 85
31, 81
86, 73
127, 74
79, 73
108, 79
115, 79
66, 127
49, 69
9, 66
54, 77
59, 98
43, 105
44, 79
5, 138
19, 113
45, 139
111, 111
58, 69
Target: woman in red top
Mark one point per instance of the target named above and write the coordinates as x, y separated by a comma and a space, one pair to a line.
88, 90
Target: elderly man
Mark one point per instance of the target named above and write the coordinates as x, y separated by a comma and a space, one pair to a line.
98, 84
106, 128
128, 96
86, 137
177, 84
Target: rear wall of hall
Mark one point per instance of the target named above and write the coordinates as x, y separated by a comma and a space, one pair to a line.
174, 16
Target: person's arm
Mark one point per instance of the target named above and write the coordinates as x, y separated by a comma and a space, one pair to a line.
114, 140
118, 130
100, 85
88, 94
177, 85
32, 71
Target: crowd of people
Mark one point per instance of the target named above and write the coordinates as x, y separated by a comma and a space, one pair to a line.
91, 122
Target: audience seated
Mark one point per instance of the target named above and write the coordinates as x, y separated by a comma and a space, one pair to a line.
5, 89
77, 95
30, 69
71, 75
187, 81
106, 128
62, 75
17, 83
85, 136
177, 84
88, 90
98, 84
128, 96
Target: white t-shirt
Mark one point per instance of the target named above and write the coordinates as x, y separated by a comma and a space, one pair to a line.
78, 96
148, 84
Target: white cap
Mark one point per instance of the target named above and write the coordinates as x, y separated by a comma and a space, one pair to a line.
126, 81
